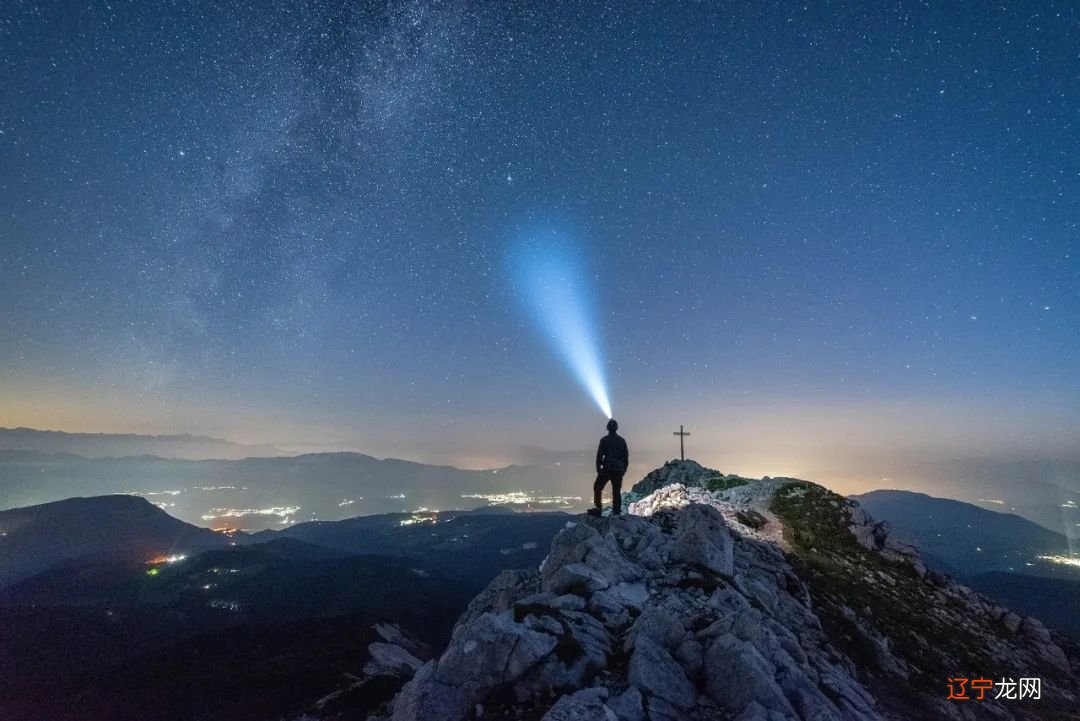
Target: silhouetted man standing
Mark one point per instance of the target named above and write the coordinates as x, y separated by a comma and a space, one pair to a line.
612, 460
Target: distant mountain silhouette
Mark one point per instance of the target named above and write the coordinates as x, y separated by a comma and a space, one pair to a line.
962, 539
116, 445
35, 538
328, 486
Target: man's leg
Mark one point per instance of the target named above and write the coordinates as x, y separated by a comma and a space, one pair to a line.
616, 494
598, 490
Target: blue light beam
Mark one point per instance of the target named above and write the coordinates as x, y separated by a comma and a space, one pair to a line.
553, 286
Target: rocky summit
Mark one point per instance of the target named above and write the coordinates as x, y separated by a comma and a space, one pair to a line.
721, 597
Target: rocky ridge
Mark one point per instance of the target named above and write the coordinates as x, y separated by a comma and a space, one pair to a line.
720, 597
393, 659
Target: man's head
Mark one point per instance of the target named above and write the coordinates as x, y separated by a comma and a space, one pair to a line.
613, 425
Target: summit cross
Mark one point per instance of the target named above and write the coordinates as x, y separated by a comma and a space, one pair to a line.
682, 435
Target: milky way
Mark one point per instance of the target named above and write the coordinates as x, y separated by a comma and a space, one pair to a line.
289, 221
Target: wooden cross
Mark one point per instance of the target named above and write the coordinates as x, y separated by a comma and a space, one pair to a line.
681, 434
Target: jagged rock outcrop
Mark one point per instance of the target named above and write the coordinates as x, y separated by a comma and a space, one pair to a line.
673, 616
743, 507
878, 536
687, 473
398, 654
771, 600
682, 472
393, 660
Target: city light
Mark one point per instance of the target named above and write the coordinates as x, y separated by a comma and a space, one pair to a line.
225, 605
415, 520
522, 497
283, 512
1062, 560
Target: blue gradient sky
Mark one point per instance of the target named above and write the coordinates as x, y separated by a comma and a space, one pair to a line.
821, 237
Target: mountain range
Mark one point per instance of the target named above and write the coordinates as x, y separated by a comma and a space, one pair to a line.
963, 539
261, 493
117, 445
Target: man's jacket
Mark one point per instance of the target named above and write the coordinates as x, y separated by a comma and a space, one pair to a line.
612, 456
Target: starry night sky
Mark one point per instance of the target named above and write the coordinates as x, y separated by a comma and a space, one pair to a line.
824, 237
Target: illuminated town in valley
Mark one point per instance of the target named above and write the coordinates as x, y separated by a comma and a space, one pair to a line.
285, 513
523, 498
231, 506
1073, 561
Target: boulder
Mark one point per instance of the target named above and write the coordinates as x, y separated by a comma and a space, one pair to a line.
864, 536
502, 593
660, 624
736, 675
392, 633
702, 539
656, 674
1032, 628
630, 595
387, 658
607, 608
628, 706
586, 705
575, 578
491, 651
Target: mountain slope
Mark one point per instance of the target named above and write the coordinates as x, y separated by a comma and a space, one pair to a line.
969, 539
35, 538
465, 543
1056, 601
762, 601
246, 633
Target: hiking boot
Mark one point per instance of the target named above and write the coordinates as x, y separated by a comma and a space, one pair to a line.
594, 512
